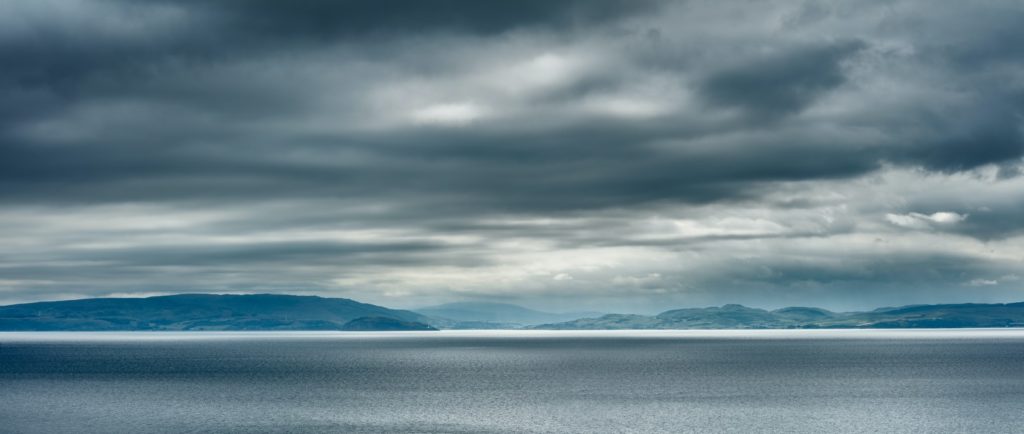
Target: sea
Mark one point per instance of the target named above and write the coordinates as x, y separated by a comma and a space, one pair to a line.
761, 381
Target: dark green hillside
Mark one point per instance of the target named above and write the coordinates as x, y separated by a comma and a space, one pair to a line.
728, 316
733, 316
197, 312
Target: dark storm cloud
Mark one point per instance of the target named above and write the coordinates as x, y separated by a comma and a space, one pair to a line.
458, 134
103, 48
308, 253
965, 139
781, 83
54, 51
155, 115
575, 168
240, 256
327, 19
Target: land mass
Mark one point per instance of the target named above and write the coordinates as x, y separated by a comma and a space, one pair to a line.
209, 312
290, 312
734, 316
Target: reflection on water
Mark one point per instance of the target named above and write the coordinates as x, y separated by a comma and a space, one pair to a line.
495, 381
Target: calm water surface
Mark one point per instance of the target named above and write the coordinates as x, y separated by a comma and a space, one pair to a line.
545, 382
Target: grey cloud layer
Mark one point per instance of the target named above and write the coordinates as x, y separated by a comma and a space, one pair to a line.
419, 149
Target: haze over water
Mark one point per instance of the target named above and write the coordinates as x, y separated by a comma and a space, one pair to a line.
514, 381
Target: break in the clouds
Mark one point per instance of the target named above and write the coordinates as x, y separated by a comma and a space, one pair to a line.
614, 155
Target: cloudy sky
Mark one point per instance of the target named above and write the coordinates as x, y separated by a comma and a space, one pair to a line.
628, 156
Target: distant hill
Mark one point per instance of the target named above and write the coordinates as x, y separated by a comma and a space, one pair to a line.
290, 312
208, 312
496, 313
384, 324
734, 316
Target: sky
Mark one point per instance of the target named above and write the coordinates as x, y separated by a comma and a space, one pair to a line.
612, 155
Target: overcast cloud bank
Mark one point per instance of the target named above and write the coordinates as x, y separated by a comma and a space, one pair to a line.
639, 155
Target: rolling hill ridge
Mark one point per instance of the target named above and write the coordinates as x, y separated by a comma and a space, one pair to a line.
734, 316
290, 312
208, 312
